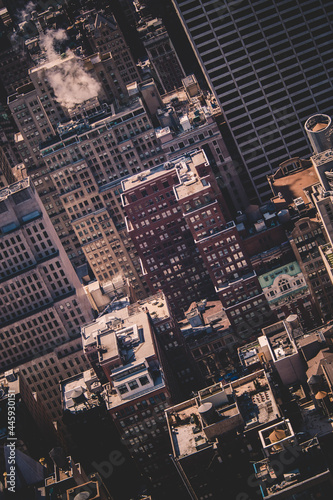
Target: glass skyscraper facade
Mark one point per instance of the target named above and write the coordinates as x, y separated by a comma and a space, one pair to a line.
270, 64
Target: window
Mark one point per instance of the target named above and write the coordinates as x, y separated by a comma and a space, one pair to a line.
122, 389
133, 385
284, 285
144, 380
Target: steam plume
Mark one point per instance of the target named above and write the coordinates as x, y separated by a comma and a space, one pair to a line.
25, 13
71, 83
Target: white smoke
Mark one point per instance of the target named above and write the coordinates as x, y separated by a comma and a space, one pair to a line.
71, 84
50, 40
25, 14
21, 16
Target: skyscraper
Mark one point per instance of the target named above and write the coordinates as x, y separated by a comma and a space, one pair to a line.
42, 303
270, 65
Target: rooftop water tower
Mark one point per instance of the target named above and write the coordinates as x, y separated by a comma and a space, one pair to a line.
319, 129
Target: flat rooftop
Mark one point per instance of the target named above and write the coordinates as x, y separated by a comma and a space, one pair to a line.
280, 342
322, 158
156, 305
58, 61
125, 336
120, 334
79, 393
308, 467
184, 167
189, 431
291, 186
187, 437
255, 400
248, 354
247, 403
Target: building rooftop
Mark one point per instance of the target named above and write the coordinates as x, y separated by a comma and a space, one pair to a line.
279, 340
79, 393
292, 186
248, 354
308, 464
186, 432
125, 345
156, 305
104, 116
111, 332
243, 404
58, 61
14, 188
255, 399
322, 158
267, 279
64, 476
184, 167
204, 314
194, 424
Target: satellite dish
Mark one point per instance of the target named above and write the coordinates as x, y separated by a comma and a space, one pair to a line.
84, 495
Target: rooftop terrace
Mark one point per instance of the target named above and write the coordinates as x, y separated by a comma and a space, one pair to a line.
307, 468
279, 340
79, 393
255, 399
243, 404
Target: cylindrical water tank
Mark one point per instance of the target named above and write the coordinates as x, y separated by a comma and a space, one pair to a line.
319, 129
83, 495
207, 413
284, 216
294, 323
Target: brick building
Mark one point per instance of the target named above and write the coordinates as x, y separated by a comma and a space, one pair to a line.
161, 53
177, 217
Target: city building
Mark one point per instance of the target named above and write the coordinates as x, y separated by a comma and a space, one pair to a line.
42, 301
304, 474
168, 253
33, 427
306, 240
163, 58
6, 173
287, 293
93, 434
278, 348
81, 185
44, 372
258, 60
204, 433
32, 122
105, 36
188, 118
70, 481
220, 246
123, 348
7, 133
15, 63
209, 338
297, 196
192, 215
